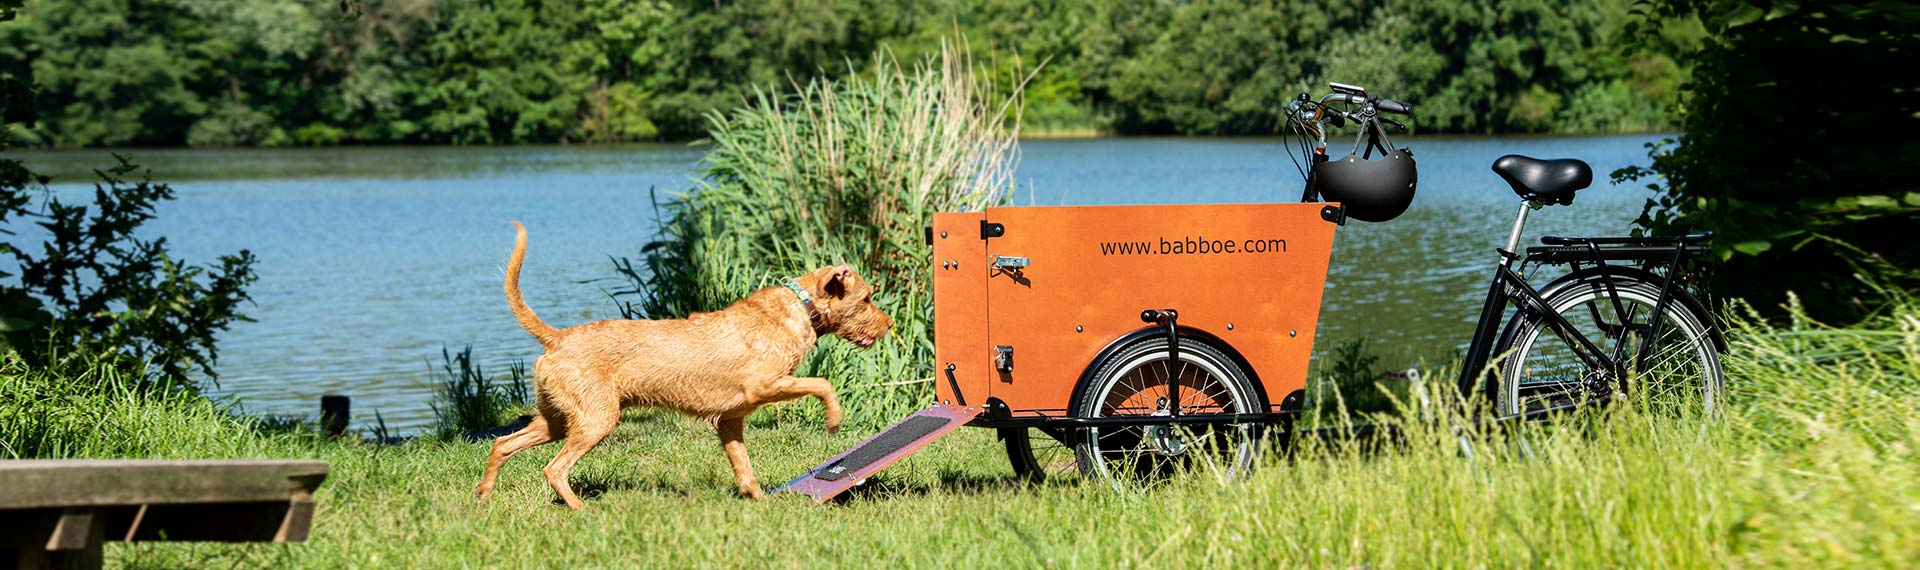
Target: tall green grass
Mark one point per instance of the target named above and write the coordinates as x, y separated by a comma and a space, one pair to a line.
848, 171
104, 411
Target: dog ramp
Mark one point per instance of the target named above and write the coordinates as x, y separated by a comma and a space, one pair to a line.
851, 468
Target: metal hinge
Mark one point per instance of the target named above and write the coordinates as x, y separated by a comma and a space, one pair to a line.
991, 230
1335, 214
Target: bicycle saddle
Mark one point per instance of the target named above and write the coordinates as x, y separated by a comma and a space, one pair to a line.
1549, 181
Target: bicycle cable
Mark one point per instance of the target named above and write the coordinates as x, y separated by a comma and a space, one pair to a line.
1298, 137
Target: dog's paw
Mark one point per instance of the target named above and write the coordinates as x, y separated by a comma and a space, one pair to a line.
833, 418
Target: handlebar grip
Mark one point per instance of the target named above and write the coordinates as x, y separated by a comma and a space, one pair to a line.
1392, 106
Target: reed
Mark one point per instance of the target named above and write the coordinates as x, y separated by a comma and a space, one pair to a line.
843, 171
467, 400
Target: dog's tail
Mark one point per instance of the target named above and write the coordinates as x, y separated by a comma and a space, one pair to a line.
521, 312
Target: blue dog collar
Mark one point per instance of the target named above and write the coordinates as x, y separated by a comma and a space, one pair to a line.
806, 302
805, 298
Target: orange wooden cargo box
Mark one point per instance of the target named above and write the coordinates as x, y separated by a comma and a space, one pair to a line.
1028, 301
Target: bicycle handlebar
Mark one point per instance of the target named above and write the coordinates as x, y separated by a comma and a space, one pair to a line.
1379, 103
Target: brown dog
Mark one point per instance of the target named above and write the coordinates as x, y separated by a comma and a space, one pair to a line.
721, 365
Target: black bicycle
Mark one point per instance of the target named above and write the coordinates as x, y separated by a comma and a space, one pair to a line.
1619, 324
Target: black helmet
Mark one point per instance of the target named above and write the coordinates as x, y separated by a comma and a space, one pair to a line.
1374, 190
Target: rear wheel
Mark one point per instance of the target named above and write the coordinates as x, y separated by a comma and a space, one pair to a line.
1681, 373
1036, 455
1136, 382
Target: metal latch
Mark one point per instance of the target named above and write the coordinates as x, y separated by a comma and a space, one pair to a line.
1003, 358
1008, 261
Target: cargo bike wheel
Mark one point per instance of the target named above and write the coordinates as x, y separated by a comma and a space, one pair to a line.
1135, 382
1037, 454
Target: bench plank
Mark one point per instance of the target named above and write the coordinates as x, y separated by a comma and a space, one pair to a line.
39, 484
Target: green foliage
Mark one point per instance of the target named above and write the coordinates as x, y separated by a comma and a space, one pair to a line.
273, 72
847, 171
466, 400
97, 290
1352, 381
1806, 178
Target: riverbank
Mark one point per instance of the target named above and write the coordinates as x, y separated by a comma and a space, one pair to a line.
1814, 462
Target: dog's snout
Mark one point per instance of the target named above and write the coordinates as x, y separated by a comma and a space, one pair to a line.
867, 329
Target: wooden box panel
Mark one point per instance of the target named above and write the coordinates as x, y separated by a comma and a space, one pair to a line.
960, 310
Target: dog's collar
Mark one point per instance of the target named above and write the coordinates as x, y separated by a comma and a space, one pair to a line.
806, 300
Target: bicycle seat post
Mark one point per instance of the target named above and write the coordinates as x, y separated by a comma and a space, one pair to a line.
1519, 223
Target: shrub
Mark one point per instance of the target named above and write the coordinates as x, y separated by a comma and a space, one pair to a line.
846, 171
1803, 188
96, 292
467, 401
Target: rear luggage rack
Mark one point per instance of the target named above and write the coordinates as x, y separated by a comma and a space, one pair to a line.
1597, 249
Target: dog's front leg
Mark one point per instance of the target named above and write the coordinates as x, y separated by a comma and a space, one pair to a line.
824, 391
790, 387
733, 433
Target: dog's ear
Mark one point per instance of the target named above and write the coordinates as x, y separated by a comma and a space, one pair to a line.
835, 285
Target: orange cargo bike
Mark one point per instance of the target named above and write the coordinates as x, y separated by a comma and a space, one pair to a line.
1127, 341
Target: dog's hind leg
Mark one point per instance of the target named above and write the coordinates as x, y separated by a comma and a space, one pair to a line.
790, 387
583, 433
537, 432
733, 432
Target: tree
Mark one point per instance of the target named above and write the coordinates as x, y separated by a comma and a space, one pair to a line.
277, 72
1798, 150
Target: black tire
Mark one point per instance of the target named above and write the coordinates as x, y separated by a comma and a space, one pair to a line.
1036, 456
1538, 369
1134, 382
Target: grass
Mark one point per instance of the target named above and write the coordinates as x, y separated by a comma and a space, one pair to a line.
1814, 464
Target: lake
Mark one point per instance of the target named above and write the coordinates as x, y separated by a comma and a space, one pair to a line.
373, 259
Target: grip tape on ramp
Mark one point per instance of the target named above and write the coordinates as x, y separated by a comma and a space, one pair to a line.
882, 445
852, 467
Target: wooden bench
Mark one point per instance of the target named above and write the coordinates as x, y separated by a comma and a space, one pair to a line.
56, 513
